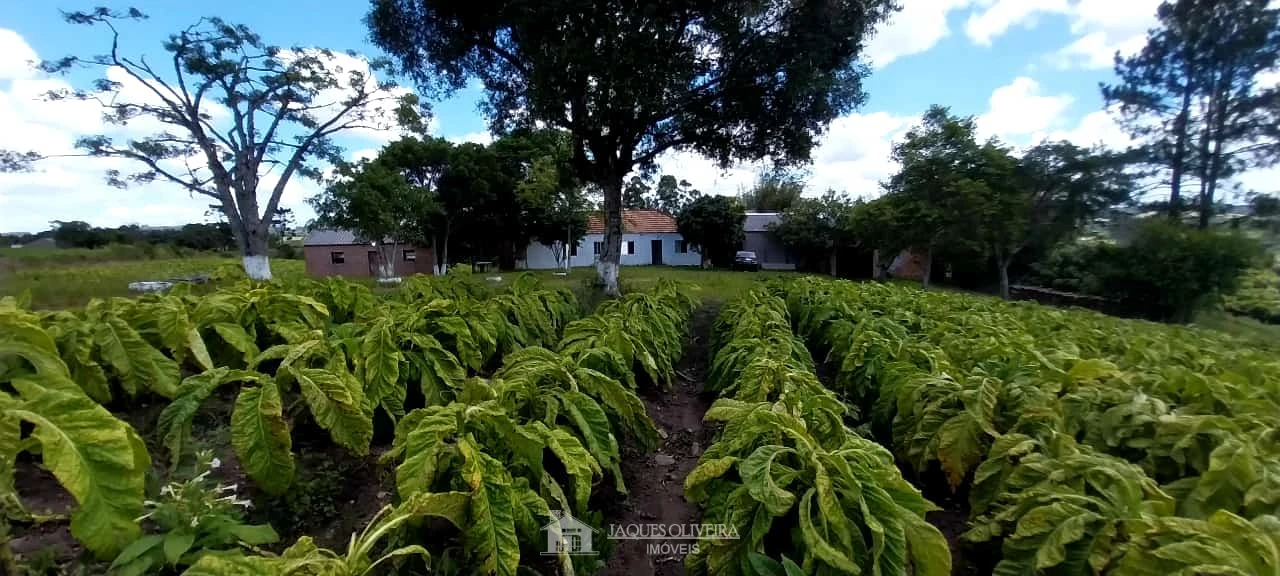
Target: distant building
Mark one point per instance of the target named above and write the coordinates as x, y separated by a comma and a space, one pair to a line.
649, 237
771, 253
338, 253
43, 243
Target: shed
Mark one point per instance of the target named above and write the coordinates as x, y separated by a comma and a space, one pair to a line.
339, 253
771, 253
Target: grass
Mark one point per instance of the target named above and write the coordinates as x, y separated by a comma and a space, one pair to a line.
69, 285
1257, 333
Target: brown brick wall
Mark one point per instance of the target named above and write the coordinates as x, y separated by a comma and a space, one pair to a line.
356, 260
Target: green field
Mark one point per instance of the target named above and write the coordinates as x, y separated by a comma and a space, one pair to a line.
63, 285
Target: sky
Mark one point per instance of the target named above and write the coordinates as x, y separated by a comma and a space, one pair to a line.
1026, 69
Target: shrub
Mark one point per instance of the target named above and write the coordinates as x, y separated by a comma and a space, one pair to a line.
1167, 272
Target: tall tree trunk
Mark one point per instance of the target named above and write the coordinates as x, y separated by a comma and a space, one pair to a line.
1178, 162
876, 272
928, 266
1218, 108
442, 266
257, 264
607, 266
1002, 261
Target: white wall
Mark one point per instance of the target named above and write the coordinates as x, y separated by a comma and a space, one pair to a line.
540, 257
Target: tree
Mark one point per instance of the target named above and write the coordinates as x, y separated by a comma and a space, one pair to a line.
878, 225
674, 195
1044, 197
637, 195
551, 201
713, 225
811, 228
734, 80
1264, 205
373, 200
774, 191
938, 191
234, 110
1191, 95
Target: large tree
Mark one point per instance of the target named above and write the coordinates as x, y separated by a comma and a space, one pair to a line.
811, 228
938, 191
774, 191
1191, 96
233, 110
733, 79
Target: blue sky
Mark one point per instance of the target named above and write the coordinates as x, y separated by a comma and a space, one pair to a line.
1028, 69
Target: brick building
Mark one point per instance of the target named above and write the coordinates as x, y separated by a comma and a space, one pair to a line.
339, 253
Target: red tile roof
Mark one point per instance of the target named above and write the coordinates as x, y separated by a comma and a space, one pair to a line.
635, 222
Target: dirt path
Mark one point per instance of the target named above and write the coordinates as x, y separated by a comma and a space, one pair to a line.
656, 480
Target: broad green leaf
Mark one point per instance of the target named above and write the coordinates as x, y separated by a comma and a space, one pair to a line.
260, 436
174, 424
491, 533
98, 459
176, 544
757, 475
338, 406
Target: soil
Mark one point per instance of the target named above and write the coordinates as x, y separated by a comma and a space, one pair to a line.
656, 481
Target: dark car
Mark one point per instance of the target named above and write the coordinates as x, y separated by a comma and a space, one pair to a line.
746, 260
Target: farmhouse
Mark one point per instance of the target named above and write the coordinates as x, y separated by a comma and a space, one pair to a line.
339, 253
771, 253
649, 237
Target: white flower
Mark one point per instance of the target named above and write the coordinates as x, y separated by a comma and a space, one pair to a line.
223, 489
195, 521
166, 490
215, 464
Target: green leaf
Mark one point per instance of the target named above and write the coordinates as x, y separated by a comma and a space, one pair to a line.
176, 544
491, 532
235, 564
757, 476
380, 364
138, 364
174, 424
240, 340
254, 534
260, 436
338, 406
818, 545
135, 550
98, 459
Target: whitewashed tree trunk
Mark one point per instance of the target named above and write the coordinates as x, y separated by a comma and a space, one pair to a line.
257, 267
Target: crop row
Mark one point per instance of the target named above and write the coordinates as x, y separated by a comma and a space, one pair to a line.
1086, 444
343, 354
803, 492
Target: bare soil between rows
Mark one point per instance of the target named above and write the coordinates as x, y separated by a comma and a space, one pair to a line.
656, 480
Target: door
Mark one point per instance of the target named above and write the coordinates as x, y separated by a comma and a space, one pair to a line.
373, 263
656, 248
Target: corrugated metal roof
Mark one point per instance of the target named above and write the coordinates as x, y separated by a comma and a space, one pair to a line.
635, 222
760, 221
330, 238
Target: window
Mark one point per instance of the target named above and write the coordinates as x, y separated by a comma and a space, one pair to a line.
682, 247
573, 250
599, 248
628, 248
410, 255
337, 258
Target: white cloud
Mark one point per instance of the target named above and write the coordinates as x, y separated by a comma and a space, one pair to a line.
1001, 15
916, 28
1019, 109
17, 59
74, 188
482, 137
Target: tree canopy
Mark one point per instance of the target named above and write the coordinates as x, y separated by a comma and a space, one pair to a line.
733, 80
713, 225
774, 191
1192, 98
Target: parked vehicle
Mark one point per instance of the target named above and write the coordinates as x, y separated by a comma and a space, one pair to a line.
746, 260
